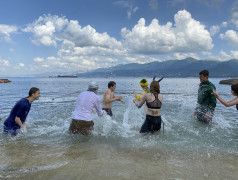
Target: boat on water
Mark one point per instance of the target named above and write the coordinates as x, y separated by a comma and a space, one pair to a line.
65, 76
73, 76
4, 81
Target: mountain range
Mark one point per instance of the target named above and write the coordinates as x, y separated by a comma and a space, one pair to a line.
188, 67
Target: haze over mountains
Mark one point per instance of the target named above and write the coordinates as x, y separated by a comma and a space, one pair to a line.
188, 67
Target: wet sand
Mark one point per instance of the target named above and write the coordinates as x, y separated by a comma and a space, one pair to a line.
23, 160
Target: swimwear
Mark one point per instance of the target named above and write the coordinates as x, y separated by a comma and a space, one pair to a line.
201, 112
156, 104
11, 131
80, 126
108, 110
237, 106
151, 124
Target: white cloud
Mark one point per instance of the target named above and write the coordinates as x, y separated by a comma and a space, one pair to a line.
141, 59
86, 49
214, 30
211, 3
44, 29
175, 2
131, 9
224, 24
45, 65
231, 36
234, 54
224, 56
80, 47
153, 4
38, 59
6, 31
87, 36
4, 62
185, 55
83, 48
21, 64
187, 35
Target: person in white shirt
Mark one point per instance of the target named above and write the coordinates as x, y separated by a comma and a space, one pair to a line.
82, 121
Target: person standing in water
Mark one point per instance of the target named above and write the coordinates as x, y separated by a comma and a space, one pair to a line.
19, 112
82, 116
145, 89
234, 92
153, 101
109, 97
206, 101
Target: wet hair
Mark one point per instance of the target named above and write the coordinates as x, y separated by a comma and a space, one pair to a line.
33, 91
204, 73
154, 87
111, 84
234, 88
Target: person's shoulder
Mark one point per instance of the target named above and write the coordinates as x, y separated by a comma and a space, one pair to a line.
211, 84
148, 94
82, 93
24, 102
108, 91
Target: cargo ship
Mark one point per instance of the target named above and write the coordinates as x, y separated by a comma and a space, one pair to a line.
60, 76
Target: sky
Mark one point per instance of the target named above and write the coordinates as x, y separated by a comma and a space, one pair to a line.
73, 36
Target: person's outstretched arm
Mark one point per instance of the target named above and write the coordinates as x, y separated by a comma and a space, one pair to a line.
142, 101
226, 103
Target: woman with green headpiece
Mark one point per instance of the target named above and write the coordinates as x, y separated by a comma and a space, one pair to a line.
145, 89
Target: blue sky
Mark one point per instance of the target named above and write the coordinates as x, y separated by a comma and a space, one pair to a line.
40, 36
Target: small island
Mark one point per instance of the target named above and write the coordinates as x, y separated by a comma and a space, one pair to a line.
4, 81
229, 81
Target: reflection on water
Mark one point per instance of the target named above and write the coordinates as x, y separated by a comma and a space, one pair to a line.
187, 150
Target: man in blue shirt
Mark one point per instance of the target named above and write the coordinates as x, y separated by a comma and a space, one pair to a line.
19, 112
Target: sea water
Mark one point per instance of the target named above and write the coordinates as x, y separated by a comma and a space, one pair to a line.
187, 149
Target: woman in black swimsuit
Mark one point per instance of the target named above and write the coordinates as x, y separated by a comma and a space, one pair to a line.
154, 101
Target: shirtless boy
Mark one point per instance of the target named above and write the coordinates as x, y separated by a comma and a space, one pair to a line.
110, 97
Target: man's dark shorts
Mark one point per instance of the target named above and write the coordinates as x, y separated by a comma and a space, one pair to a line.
201, 112
80, 126
109, 111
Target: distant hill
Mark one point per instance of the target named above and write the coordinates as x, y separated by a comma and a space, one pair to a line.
188, 67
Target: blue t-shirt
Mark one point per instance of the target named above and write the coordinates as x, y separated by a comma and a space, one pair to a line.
21, 110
